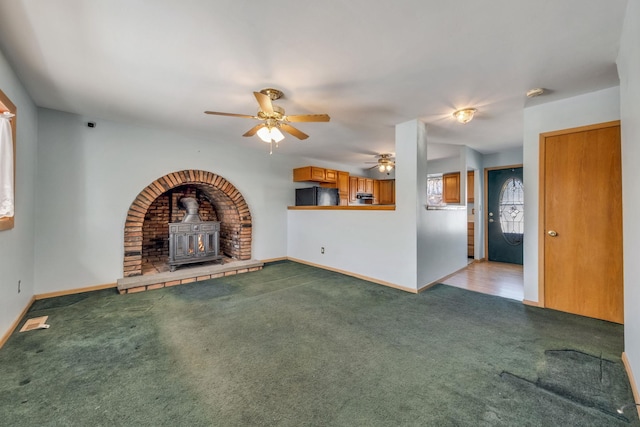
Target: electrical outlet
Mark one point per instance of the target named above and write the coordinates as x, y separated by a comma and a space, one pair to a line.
322, 250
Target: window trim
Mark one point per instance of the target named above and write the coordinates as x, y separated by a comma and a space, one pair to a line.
7, 105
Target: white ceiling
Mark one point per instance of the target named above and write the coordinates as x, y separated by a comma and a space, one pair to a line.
369, 65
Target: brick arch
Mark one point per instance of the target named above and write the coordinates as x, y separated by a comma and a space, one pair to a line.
231, 209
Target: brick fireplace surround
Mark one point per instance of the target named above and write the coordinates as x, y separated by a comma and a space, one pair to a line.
146, 228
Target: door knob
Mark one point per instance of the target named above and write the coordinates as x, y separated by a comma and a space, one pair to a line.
490, 219
552, 233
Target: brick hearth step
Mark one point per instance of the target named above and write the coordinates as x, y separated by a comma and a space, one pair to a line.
186, 275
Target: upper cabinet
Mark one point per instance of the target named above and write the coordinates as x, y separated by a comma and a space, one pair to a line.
470, 178
314, 174
451, 187
383, 191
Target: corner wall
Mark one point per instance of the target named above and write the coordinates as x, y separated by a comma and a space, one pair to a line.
591, 108
88, 178
629, 71
376, 244
16, 245
442, 234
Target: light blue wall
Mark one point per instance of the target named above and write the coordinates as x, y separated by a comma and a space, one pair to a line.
591, 108
629, 71
510, 157
442, 234
16, 245
375, 244
88, 178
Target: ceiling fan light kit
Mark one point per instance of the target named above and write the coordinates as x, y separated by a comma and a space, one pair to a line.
268, 134
274, 120
385, 168
464, 115
385, 163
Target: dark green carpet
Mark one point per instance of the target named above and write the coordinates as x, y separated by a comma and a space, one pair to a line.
294, 345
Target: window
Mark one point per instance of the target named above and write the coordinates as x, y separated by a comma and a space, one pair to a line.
512, 211
7, 161
434, 190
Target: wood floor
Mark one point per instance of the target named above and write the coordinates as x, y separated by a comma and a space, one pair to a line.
493, 278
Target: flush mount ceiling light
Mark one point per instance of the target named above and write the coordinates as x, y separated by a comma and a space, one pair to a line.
532, 93
464, 115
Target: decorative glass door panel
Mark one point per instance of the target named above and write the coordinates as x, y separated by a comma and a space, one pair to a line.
511, 205
505, 215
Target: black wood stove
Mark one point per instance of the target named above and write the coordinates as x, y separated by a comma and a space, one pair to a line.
192, 240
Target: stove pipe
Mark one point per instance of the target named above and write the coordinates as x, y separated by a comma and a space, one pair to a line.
191, 204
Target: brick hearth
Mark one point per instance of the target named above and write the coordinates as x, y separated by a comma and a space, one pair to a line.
146, 227
186, 275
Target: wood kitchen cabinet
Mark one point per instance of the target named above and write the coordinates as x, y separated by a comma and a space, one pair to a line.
353, 189
368, 185
309, 173
387, 192
470, 178
451, 187
361, 185
330, 175
376, 192
470, 236
343, 187
314, 174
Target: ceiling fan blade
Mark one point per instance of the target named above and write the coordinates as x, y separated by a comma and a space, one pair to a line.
293, 131
245, 116
253, 130
265, 102
308, 118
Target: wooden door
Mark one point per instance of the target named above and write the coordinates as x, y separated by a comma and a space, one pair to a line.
581, 221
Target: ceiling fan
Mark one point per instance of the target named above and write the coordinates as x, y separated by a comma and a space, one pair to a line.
273, 118
385, 163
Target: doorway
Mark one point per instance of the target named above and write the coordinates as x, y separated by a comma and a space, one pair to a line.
580, 240
505, 215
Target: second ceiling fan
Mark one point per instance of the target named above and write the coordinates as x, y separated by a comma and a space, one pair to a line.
273, 118
385, 162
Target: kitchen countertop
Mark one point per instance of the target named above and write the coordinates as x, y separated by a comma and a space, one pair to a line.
345, 208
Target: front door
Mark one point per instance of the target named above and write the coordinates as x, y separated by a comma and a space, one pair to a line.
581, 224
505, 210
